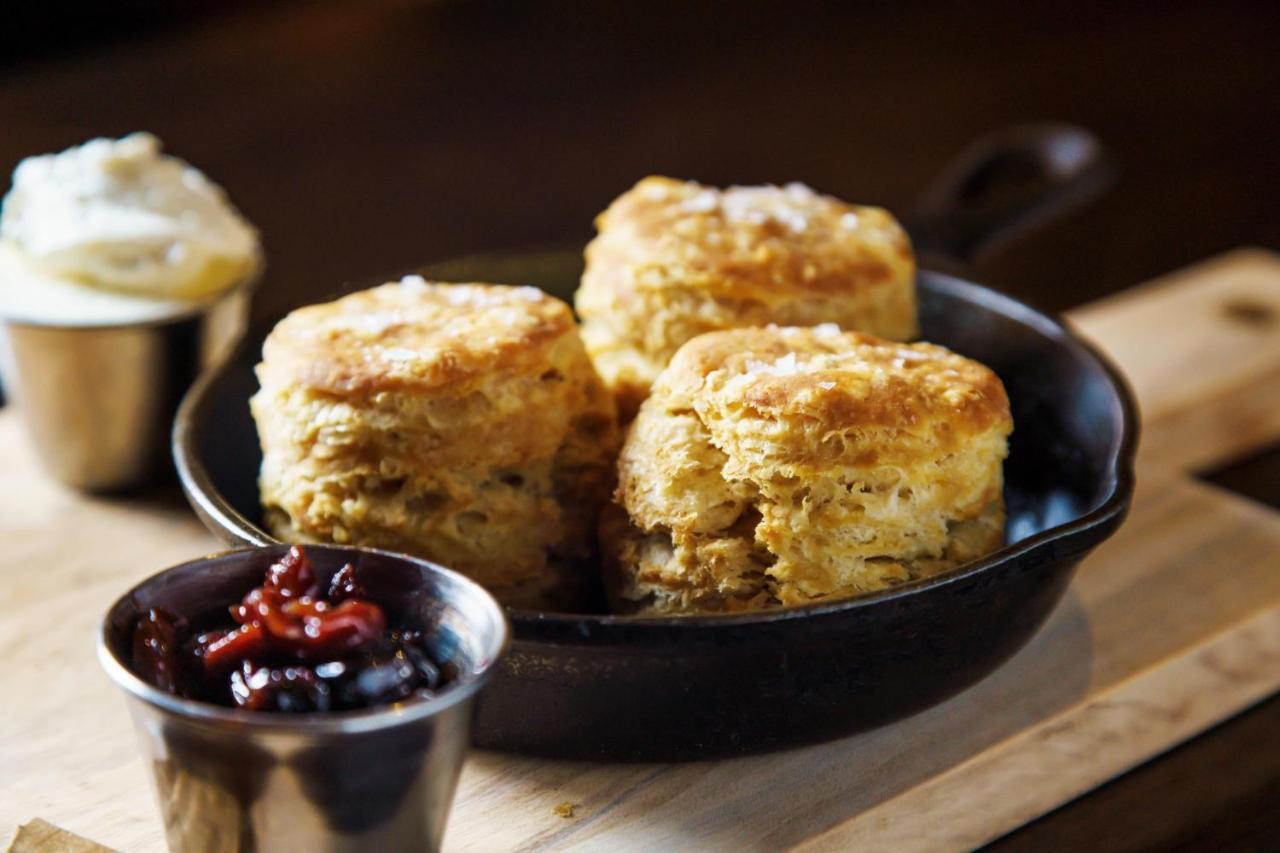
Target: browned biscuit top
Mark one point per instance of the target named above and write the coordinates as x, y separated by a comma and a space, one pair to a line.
824, 377
415, 335
760, 243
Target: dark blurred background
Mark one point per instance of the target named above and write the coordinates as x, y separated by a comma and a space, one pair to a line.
364, 138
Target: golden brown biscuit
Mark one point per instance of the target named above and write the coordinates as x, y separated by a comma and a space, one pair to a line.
675, 259
459, 422
779, 466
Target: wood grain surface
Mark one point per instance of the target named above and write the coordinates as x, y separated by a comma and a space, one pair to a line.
1167, 629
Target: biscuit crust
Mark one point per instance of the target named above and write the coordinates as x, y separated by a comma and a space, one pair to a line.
780, 466
675, 259
463, 423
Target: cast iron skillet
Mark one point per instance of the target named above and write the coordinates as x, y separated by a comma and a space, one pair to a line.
598, 686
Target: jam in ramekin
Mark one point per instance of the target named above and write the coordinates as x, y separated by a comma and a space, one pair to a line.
291, 648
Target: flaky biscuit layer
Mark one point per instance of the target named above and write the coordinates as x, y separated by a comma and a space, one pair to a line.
461, 423
779, 466
676, 259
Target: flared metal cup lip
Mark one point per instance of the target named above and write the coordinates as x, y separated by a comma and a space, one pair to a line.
183, 310
497, 642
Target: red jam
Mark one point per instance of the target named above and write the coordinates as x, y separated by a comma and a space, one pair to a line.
291, 648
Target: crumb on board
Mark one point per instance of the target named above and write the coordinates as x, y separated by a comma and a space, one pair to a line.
565, 809
39, 836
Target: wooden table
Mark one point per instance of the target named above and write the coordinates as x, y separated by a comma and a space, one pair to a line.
1169, 628
368, 137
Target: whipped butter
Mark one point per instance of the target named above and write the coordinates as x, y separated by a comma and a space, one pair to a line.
114, 231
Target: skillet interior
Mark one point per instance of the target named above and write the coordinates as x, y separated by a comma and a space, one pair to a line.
591, 685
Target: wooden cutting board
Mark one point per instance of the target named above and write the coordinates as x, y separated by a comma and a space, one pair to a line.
1168, 628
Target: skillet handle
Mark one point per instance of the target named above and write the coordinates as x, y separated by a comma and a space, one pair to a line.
1006, 183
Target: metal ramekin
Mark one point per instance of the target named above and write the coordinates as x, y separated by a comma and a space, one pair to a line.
98, 400
377, 779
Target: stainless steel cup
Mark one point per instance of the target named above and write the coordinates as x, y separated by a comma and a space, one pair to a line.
378, 779
98, 401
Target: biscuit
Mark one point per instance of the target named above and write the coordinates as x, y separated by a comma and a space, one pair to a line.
780, 466
462, 423
675, 259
